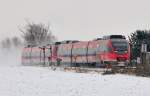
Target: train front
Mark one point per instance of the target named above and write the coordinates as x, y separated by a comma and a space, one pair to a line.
116, 50
121, 51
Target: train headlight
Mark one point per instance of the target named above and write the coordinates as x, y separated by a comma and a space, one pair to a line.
115, 51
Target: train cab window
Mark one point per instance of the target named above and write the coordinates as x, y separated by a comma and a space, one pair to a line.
120, 45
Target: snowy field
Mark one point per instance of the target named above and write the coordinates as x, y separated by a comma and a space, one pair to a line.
17, 80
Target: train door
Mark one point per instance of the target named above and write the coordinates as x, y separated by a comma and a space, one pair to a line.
44, 55
91, 53
54, 54
49, 55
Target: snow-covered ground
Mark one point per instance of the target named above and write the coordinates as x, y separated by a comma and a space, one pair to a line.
17, 80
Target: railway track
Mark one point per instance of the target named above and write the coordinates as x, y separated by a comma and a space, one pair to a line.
125, 70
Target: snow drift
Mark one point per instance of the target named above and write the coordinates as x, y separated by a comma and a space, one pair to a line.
38, 81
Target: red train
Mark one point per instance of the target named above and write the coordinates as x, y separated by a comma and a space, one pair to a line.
110, 50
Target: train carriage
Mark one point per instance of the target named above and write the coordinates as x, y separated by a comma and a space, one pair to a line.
36, 56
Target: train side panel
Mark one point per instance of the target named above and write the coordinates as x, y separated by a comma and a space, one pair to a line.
65, 54
26, 56
35, 56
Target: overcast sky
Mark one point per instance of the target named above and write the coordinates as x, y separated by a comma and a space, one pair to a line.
76, 19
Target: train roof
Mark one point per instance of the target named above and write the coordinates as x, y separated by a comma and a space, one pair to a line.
97, 39
69, 41
57, 43
28, 45
114, 37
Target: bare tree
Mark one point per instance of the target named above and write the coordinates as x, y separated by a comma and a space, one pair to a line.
13, 42
6, 43
50, 38
37, 34
16, 42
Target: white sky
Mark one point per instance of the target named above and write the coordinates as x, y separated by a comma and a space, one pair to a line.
76, 19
